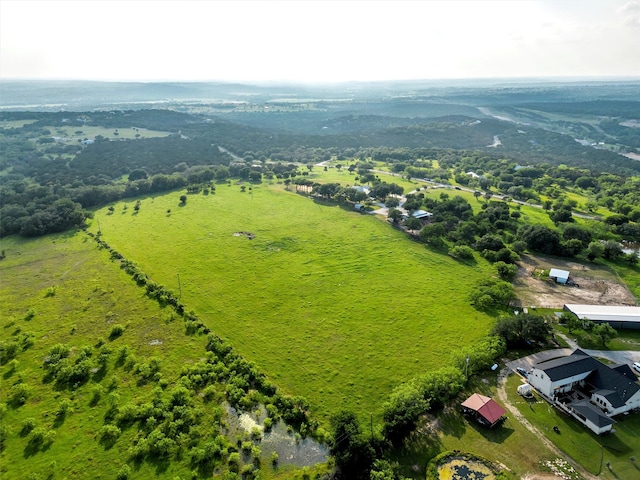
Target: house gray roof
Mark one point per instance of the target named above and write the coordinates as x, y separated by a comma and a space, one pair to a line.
575, 364
421, 214
625, 370
591, 413
617, 386
610, 382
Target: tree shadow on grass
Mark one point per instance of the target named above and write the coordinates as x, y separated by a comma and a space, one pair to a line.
615, 446
35, 446
161, 464
59, 420
497, 434
417, 448
452, 423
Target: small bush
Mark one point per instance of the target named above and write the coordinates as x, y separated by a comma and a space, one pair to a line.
123, 473
268, 424
109, 434
256, 433
28, 424
18, 394
234, 462
256, 453
116, 331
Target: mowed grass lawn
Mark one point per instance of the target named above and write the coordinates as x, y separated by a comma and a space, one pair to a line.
332, 305
591, 451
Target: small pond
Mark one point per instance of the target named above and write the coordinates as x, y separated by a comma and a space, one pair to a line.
291, 449
458, 468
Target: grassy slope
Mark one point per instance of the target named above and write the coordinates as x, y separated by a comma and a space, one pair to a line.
335, 306
91, 294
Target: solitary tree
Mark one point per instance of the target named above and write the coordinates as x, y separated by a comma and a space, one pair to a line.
183, 199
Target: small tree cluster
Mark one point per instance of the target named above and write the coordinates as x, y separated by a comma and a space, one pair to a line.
522, 329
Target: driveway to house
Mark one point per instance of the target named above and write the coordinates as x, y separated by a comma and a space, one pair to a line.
618, 356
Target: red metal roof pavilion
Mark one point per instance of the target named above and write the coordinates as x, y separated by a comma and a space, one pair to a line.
485, 407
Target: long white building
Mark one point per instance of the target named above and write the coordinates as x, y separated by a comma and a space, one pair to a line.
618, 316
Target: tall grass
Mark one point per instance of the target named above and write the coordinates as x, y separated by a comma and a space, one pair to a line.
332, 305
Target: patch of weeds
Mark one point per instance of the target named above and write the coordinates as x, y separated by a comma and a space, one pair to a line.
50, 291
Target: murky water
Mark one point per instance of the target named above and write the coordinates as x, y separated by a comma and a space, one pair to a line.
291, 449
630, 247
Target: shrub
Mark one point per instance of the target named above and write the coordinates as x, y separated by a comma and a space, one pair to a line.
63, 408
109, 434
234, 462
28, 424
123, 473
462, 252
19, 393
268, 424
256, 433
256, 453
506, 271
116, 331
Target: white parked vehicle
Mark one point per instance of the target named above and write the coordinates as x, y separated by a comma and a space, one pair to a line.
636, 366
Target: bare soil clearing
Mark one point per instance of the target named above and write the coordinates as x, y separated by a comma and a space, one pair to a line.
595, 285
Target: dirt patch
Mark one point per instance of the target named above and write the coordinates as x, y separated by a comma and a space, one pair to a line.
594, 285
249, 235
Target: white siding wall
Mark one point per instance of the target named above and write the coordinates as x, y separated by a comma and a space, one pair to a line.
541, 381
633, 402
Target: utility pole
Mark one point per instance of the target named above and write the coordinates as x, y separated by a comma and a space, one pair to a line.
466, 368
179, 287
371, 425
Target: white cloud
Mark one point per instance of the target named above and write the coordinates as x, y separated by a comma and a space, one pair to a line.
313, 40
631, 13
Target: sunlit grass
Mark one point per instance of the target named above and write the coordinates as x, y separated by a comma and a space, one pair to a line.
62, 289
333, 305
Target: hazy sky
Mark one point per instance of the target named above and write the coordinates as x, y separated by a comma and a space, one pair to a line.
317, 41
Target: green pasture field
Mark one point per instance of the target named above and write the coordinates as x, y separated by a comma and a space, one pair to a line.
591, 451
90, 132
5, 124
62, 289
344, 177
332, 305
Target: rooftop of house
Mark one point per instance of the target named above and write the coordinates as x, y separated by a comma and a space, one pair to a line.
609, 381
595, 416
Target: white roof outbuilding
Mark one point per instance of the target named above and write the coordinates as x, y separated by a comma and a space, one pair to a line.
560, 276
618, 316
